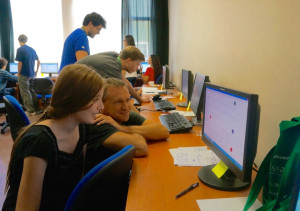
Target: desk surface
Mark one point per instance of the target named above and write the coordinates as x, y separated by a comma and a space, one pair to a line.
155, 180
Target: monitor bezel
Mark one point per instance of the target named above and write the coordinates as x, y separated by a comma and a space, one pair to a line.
251, 136
47, 72
199, 109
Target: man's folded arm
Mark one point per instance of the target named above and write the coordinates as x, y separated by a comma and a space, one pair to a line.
149, 130
119, 140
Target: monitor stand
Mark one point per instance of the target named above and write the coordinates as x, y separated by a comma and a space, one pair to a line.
185, 104
228, 182
196, 122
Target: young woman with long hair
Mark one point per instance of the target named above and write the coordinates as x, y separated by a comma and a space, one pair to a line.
153, 71
47, 158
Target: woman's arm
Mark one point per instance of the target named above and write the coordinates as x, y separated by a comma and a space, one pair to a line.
145, 78
31, 185
146, 75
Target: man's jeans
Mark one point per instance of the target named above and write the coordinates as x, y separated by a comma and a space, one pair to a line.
28, 96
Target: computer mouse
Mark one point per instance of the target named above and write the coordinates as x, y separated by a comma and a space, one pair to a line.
156, 97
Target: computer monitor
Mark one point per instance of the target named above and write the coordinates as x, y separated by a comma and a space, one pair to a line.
49, 68
13, 68
144, 65
166, 77
230, 129
197, 97
186, 87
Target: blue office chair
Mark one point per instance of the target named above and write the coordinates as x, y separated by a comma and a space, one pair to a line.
105, 186
5, 123
17, 118
43, 89
159, 79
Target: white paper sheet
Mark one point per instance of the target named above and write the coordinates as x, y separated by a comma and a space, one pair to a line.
193, 156
149, 90
226, 204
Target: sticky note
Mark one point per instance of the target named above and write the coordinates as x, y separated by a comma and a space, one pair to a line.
180, 98
220, 169
188, 107
42, 74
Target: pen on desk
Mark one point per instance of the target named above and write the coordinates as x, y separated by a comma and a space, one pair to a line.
187, 190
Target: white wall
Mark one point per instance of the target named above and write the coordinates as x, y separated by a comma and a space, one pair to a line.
109, 39
252, 46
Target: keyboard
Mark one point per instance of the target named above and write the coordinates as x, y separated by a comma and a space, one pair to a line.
164, 105
175, 122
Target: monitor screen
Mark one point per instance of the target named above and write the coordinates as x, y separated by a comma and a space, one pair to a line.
49, 68
166, 77
145, 65
230, 129
196, 104
186, 86
13, 68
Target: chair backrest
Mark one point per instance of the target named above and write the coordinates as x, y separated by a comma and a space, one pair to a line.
42, 86
16, 115
159, 79
105, 186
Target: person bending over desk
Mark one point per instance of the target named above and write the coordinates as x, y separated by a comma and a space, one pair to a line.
111, 64
119, 126
4, 78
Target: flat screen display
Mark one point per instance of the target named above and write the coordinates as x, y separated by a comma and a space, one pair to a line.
196, 95
225, 123
49, 68
144, 65
13, 68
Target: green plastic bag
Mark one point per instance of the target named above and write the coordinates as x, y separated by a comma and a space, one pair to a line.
277, 172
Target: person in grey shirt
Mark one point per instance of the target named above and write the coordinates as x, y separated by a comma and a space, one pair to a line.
111, 64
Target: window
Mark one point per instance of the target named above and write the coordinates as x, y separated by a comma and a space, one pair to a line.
109, 39
41, 22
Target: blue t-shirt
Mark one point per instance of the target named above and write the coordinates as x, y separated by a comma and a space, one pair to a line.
76, 41
27, 56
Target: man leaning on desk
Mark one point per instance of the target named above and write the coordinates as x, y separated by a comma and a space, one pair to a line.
111, 64
118, 126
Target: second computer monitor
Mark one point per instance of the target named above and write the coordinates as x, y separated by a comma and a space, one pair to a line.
166, 77
13, 68
49, 68
144, 65
196, 97
186, 87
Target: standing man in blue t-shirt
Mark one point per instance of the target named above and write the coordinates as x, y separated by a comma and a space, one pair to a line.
26, 57
77, 44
